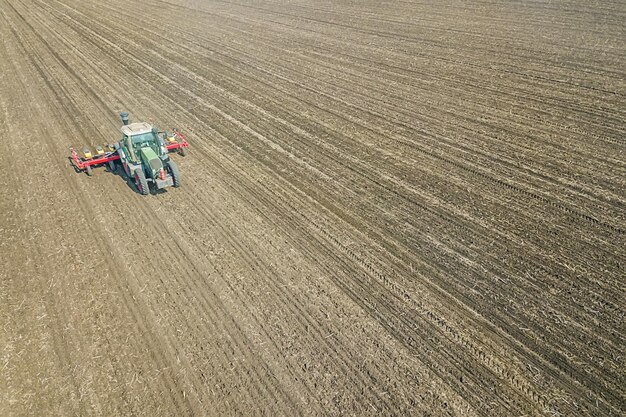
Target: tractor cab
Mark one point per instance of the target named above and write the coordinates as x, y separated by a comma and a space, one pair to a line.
140, 138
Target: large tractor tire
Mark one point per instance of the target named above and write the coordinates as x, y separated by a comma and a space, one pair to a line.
141, 182
175, 173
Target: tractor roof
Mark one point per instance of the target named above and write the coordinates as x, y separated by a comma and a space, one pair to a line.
136, 128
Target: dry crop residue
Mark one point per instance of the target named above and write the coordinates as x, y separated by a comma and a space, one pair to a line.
389, 208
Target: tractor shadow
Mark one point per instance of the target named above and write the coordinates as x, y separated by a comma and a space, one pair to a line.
74, 167
130, 181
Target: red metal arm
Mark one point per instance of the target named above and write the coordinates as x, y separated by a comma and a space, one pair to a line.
176, 145
96, 160
82, 163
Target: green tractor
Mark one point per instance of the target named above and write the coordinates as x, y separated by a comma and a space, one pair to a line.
143, 153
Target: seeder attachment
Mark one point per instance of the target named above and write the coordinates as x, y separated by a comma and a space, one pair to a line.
143, 152
89, 159
176, 141
108, 154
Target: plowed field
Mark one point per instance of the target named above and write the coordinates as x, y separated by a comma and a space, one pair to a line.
388, 208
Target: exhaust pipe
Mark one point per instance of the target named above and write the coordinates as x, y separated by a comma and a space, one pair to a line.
124, 116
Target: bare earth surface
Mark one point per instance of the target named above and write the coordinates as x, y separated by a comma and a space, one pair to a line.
388, 208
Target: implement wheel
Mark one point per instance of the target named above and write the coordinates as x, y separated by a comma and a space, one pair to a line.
182, 151
88, 170
141, 182
175, 173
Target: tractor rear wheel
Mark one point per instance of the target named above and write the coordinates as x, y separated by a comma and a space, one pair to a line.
175, 173
141, 182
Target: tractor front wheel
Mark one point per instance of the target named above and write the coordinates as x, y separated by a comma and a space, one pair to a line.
141, 182
175, 173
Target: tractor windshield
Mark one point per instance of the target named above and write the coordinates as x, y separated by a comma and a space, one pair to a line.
147, 138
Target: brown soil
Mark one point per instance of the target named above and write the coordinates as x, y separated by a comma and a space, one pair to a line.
388, 208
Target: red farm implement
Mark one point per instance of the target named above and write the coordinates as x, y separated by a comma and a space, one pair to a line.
143, 153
